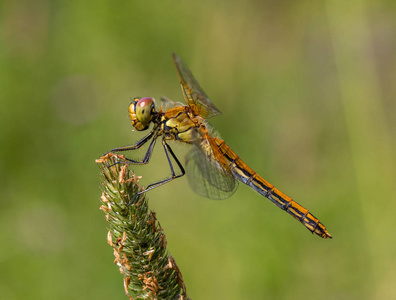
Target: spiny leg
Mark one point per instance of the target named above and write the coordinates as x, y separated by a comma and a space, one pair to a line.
168, 150
146, 157
136, 146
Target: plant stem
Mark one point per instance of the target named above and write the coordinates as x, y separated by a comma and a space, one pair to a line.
136, 236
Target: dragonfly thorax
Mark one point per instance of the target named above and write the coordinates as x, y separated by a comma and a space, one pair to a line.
141, 112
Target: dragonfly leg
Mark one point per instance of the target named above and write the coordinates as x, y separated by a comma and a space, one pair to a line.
136, 146
146, 157
168, 150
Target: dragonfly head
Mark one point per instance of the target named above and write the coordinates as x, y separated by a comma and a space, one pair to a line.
141, 112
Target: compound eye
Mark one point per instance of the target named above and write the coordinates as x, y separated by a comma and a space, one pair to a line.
144, 110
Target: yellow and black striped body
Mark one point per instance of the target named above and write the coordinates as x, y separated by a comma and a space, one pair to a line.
245, 174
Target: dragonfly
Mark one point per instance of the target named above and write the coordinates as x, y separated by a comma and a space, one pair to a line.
213, 169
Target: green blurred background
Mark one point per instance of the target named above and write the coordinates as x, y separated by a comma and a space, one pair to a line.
307, 90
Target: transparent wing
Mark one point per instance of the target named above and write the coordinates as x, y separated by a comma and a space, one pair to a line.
206, 176
193, 93
166, 103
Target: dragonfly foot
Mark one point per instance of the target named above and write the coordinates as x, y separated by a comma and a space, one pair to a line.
134, 199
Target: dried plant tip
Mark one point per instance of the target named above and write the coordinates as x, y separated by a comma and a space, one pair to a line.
137, 239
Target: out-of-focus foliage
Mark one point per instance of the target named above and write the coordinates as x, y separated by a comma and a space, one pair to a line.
307, 91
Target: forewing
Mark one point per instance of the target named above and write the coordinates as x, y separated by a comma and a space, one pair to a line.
207, 178
193, 93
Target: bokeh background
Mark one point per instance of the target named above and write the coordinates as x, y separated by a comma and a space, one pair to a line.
307, 90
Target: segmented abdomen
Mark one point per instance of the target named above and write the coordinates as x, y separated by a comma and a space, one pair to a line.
245, 174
